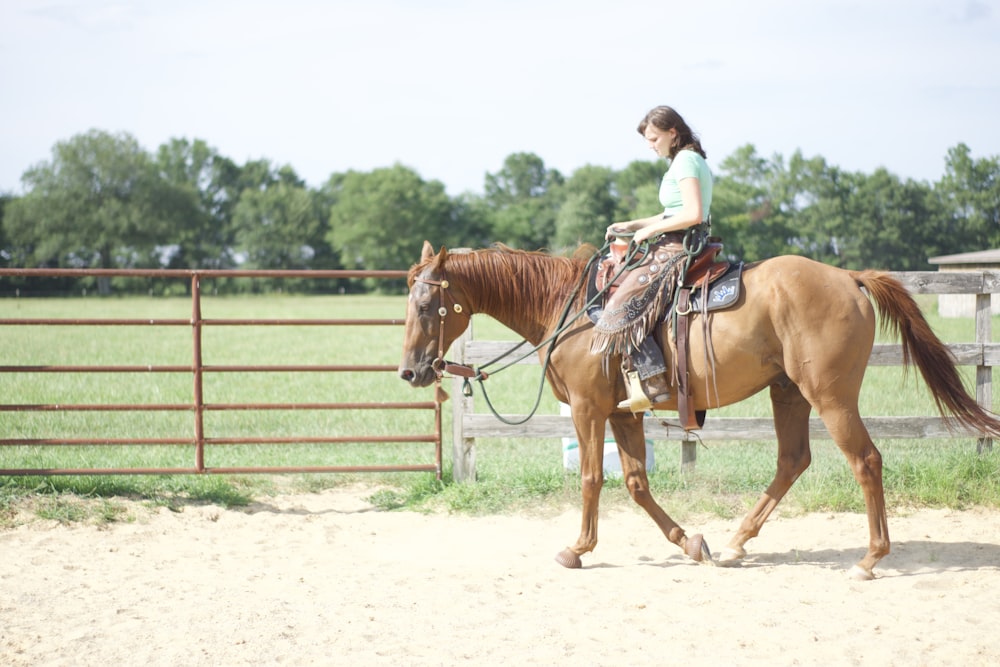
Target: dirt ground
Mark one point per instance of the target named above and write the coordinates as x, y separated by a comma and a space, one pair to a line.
325, 579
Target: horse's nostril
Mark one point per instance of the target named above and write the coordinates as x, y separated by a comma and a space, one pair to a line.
406, 374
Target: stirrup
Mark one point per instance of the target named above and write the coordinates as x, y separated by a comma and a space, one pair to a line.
636, 405
637, 400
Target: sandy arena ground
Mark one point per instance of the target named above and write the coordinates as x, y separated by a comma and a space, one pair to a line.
326, 580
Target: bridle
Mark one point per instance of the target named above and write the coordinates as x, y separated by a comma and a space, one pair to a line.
440, 364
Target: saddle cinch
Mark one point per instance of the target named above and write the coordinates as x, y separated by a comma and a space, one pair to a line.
706, 286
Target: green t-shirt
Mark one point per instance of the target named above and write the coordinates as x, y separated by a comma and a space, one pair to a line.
686, 164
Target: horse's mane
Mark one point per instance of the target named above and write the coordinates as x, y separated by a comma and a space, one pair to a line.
497, 276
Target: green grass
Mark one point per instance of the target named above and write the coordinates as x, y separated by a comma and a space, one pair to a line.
513, 474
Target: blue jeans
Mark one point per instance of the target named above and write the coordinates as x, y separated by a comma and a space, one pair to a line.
648, 359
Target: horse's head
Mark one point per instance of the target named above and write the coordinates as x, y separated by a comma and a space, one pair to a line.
436, 314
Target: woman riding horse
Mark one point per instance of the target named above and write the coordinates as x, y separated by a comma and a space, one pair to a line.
629, 319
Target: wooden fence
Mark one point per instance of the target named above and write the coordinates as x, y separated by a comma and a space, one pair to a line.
468, 425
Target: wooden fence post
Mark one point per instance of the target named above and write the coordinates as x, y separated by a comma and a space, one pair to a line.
689, 454
463, 449
984, 373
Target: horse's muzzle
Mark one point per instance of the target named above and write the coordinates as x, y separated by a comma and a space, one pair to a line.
418, 378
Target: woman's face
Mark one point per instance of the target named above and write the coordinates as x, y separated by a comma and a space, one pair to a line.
659, 140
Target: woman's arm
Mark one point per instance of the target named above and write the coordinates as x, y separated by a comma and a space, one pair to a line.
691, 214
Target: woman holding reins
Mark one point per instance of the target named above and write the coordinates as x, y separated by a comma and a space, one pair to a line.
631, 315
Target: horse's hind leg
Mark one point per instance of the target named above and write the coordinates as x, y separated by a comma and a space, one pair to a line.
631, 441
845, 426
791, 424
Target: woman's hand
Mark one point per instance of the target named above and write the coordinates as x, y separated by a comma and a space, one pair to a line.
644, 234
619, 229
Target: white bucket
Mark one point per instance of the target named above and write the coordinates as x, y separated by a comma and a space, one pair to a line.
612, 462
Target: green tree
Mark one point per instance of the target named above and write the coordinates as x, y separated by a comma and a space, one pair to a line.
99, 203
469, 225
890, 224
970, 189
589, 205
855, 220
637, 189
747, 208
380, 219
204, 236
815, 201
4, 250
278, 228
523, 199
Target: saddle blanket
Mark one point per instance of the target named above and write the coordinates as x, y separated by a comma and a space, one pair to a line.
722, 293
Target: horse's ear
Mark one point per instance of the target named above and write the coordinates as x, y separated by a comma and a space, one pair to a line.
428, 253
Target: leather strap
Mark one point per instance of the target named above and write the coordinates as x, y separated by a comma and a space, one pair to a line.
685, 408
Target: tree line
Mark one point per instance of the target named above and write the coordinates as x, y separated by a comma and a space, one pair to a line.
103, 201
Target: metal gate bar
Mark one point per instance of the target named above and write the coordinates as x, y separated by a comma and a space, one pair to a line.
198, 369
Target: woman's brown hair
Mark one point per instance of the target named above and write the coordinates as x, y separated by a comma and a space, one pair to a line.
665, 118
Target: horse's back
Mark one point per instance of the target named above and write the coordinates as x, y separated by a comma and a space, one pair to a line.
799, 267
810, 288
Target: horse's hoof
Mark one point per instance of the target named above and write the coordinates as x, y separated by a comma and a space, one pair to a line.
730, 557
697, 550
858, 573
569, 559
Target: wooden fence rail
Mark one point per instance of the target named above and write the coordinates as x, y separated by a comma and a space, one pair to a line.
983, 354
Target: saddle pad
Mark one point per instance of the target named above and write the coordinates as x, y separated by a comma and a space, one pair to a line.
722, 293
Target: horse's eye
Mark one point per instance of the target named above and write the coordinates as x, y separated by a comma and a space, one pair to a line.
423, 307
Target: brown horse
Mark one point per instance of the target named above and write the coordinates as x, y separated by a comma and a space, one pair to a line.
800, 328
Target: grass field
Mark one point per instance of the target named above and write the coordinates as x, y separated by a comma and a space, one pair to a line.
513, 473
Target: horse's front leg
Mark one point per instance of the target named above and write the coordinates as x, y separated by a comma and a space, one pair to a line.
631, 439
590, 435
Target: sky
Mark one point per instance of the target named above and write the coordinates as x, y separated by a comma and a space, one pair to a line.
450, 88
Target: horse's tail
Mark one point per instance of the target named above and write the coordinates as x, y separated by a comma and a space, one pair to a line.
901, 317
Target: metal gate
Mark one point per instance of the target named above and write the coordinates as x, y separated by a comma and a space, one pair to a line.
198, 370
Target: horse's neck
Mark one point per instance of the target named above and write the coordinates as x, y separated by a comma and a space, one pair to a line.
525, 302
